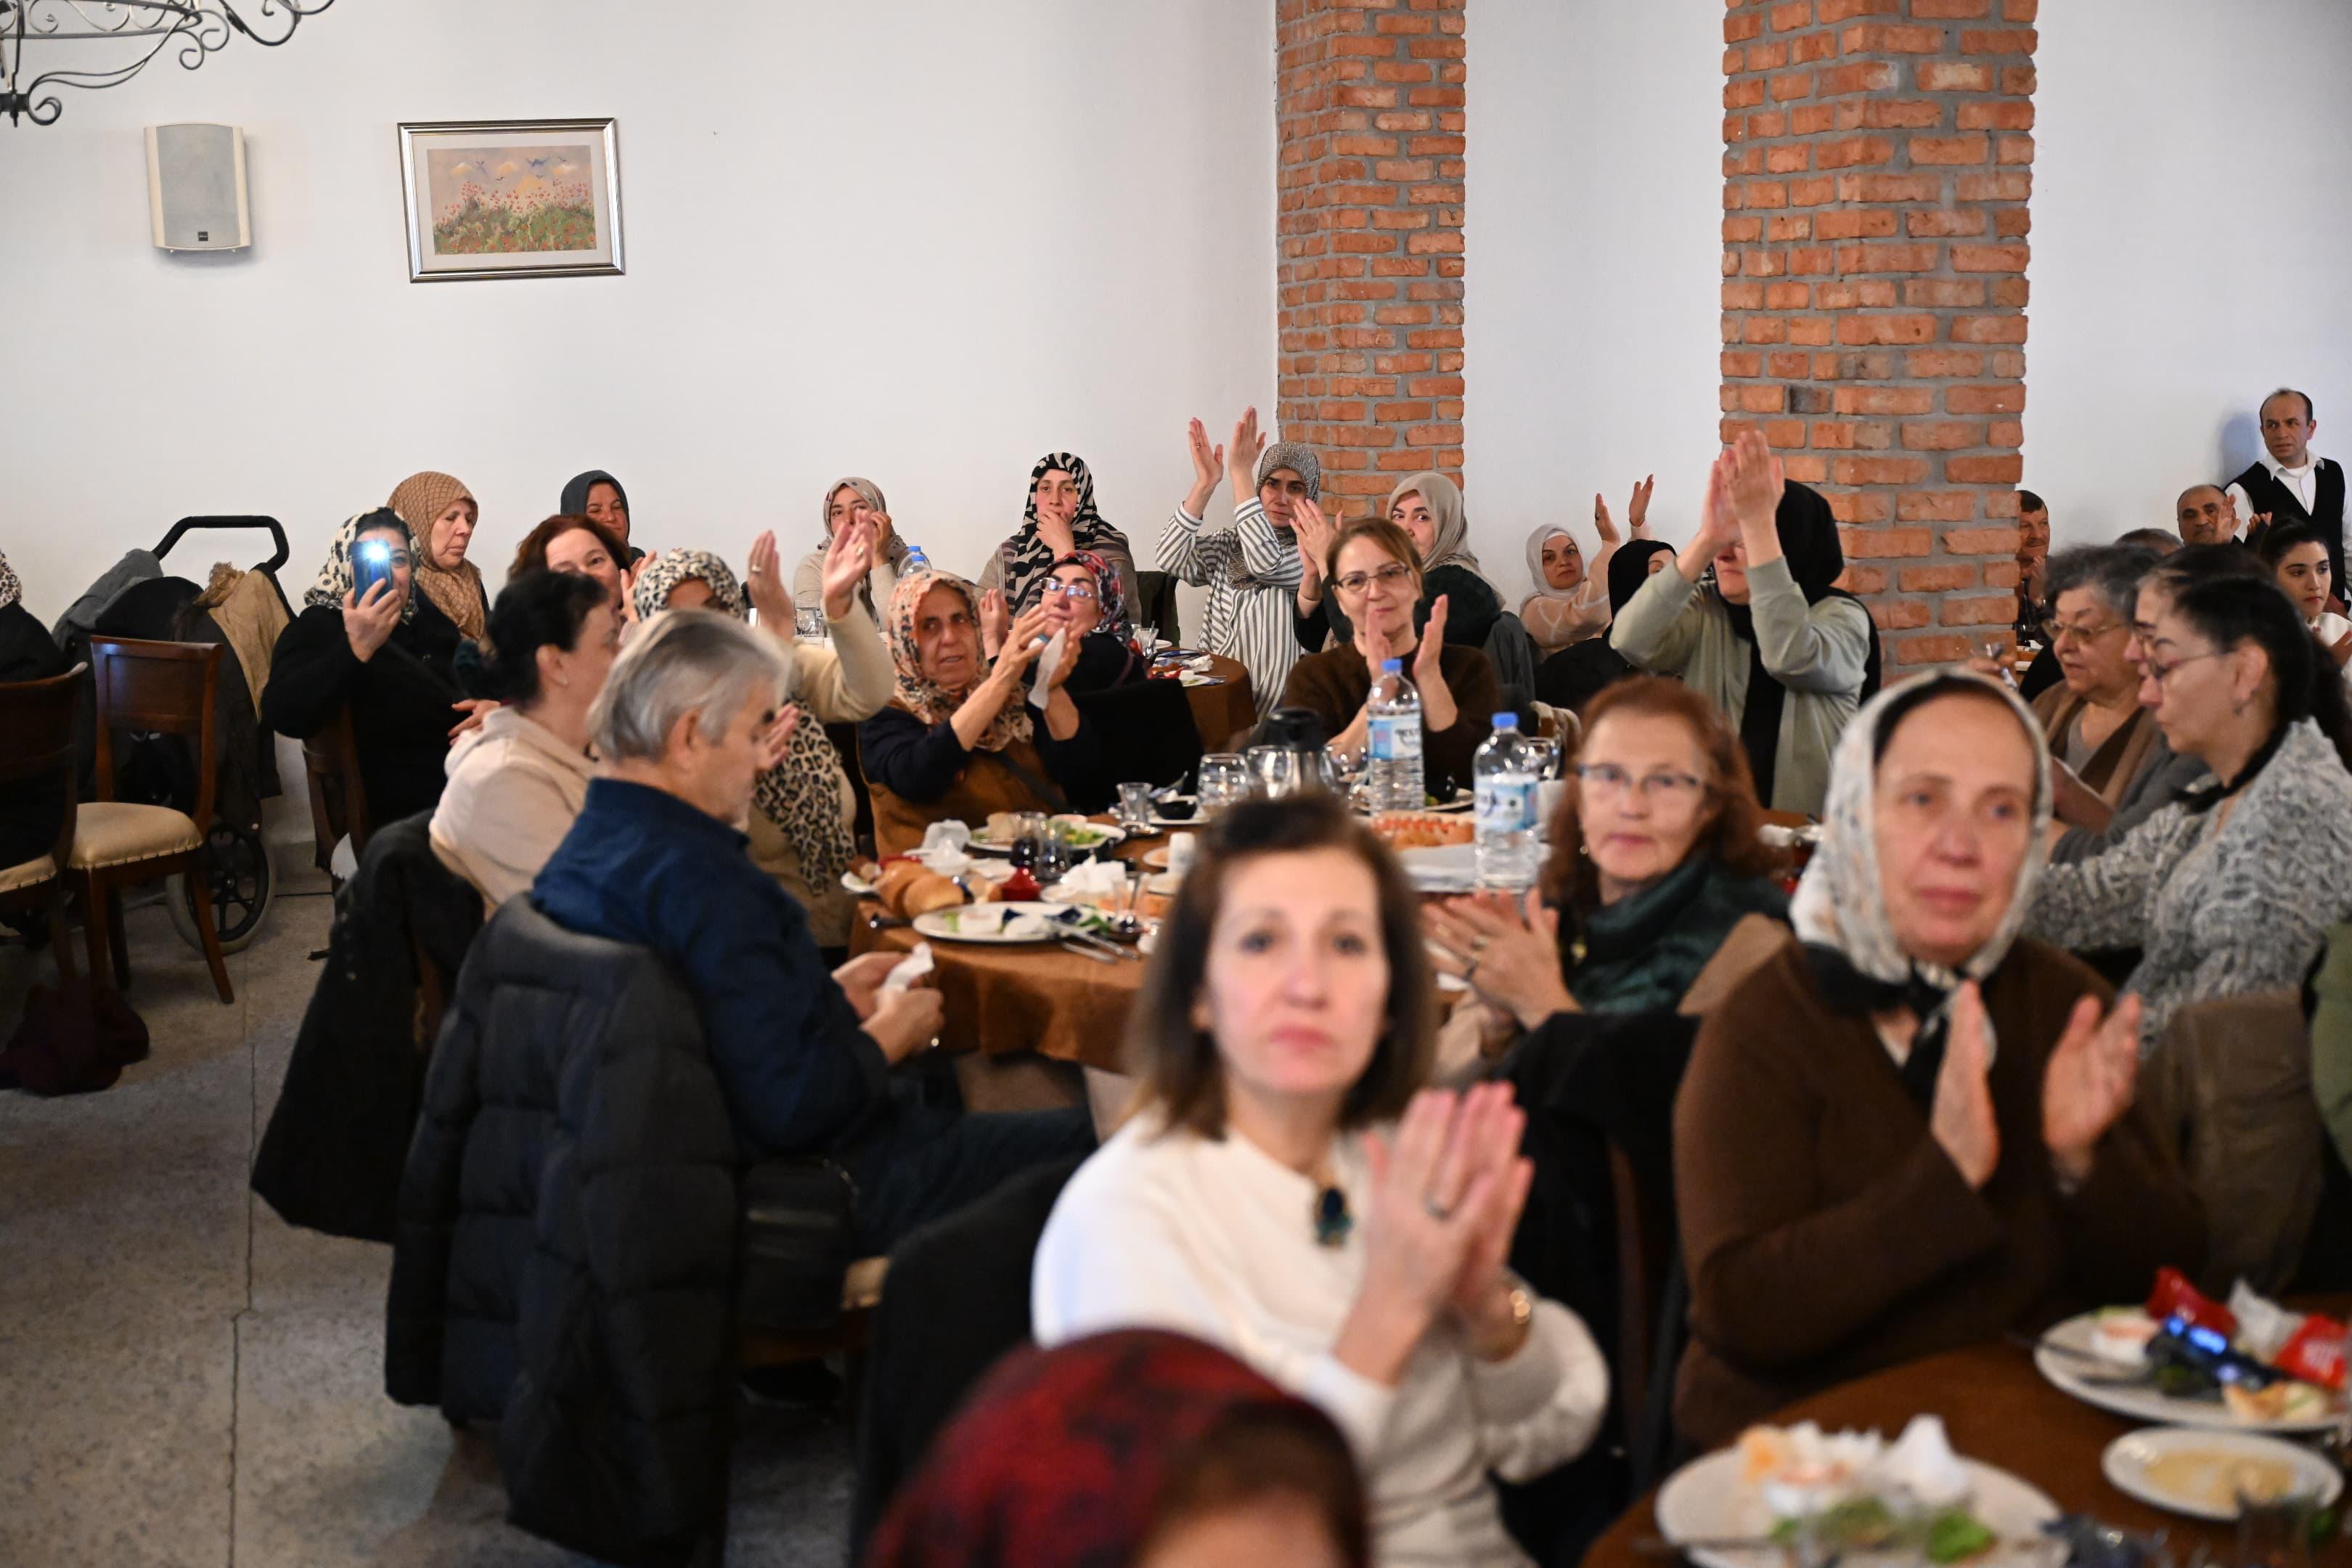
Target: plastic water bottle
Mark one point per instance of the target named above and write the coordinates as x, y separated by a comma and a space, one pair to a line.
1392, 768
916, 560
1506, 769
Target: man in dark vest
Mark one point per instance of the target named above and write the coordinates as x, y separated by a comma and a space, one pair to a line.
2289, 485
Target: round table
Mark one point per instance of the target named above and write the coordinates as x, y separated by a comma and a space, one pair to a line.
1997, 1409
1226, 709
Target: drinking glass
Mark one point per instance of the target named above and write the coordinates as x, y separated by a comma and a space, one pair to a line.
809, 625
1544, 752
1274, 771
2275, 1532
1055, 853
1224, 779
1135, 804
1150, 637
1028, 837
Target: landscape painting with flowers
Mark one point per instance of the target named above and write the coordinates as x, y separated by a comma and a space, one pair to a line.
511, 199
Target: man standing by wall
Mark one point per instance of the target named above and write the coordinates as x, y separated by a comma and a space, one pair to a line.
2289, 485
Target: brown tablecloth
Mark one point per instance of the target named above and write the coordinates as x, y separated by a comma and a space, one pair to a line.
1029, 996
1224, 711
1999, 1410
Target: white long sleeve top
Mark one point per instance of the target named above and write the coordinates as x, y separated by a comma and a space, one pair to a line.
1215, 1239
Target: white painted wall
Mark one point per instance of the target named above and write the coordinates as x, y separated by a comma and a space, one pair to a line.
1593, 285
2192, 230
918, 239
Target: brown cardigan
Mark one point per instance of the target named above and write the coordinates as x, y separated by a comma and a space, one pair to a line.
1335, 683
2120, 757
1827, 1236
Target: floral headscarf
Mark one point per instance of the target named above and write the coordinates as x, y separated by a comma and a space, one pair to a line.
11, 590
1452, 545
1061, 1458
334, 580
455, 590
922, 696
1111, 593
1840, 910
801, 795
1025, 555
894, 550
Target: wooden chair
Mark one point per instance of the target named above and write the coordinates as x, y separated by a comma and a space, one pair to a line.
38, 716
339, 807
156, 688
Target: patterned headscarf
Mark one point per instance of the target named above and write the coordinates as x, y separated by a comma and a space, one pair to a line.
11, 590
1111, 593
1300, 459
1062, 1458
1536, 541
1025, 555
334, 580
455, 590
801, 795
894, 550
1452, 545
1840, 904
922, 696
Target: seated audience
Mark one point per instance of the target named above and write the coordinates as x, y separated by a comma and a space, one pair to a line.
441, 513
389, 658
2102, 743
1570, 602
1428, 507
28, 810
2163, 541
1749, 614
800, 831
2231, 889
516, 784
1084, 600
2298, 558
1058, 519
598, 496
1573, 676
572, 543
685, 727
1288, 1190
854, 500
1372, 568
1137, 1448
2206, 516
2034, 598
1252, 569
959, 742
1909, 1131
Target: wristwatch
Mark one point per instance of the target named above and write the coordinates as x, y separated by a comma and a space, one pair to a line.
1523, 1317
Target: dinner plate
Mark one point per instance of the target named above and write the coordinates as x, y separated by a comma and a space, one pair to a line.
853, 883
1159, 882
984, 924
2140, 1401
2193, 1469
1706, 1500
1443, 868
1106, 836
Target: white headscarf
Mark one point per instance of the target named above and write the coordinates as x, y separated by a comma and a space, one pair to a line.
1536, 541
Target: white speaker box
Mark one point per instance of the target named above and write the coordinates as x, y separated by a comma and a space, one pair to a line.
195, 187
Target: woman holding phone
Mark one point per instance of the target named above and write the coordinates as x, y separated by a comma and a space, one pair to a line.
367, 641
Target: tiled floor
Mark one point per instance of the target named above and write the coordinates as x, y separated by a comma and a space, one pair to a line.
187, 1380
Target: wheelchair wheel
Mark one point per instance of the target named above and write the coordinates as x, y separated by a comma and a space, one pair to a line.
241, 887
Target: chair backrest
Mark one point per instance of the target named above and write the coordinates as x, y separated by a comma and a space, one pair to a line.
331, 763
1513, 654
37, 717
1156, 591
162, 689
1146, 726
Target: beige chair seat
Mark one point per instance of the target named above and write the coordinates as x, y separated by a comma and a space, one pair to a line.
861, 1287
115, 833
25, 873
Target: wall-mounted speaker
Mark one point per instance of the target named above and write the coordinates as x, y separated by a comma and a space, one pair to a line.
195, 187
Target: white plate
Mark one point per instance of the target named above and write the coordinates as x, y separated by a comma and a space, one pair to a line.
1159, 882
2138, 1401
971, 922
1110, 835
1441, 868
2129, 1458
854, 883
1707, 1501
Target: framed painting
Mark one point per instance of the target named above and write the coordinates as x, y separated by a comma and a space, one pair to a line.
511, 198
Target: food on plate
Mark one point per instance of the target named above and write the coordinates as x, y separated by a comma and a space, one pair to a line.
2282, 1400
1853, 1491
2215, 1478
1083, 833
999, 826
2175, 1296
1422, 829
910, 887
2120, 1334
866, 871
2270, 1365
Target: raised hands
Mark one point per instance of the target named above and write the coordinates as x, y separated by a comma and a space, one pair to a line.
1718, 529
2089, 1082
763, 584
1509, 953
1961, 1119
1208, 468
1754, 480
1426, 668
1637, 512
1314, 533
368, 624
849, 557
1022, 643
2340, 650
778, 735
476, 710
994, 618
1247, 447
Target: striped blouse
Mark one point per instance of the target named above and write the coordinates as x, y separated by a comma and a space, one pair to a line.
1250, 622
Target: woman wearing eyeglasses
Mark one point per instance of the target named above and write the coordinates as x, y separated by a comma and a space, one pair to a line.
2230, 890
1374, 571
1083, 597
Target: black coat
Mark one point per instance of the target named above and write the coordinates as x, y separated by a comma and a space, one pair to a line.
29, 808
566, 1241
400, 701
332, 1154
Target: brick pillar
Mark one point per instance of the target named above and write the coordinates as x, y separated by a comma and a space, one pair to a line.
1369, 117
1876, 169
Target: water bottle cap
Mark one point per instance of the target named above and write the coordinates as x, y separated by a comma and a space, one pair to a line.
1507, 722
1392, 666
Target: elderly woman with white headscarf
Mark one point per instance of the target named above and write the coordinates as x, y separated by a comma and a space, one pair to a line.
1428, 507
1912, 1129
1571, 601
1251, 570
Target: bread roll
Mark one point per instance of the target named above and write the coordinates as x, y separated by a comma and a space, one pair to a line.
892, 881
928, 892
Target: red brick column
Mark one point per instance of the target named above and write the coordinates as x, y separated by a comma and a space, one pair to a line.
1369, 118
1876, 171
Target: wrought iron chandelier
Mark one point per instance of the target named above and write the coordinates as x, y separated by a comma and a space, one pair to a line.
113, 40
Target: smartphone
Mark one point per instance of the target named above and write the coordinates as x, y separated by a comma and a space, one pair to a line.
371, 564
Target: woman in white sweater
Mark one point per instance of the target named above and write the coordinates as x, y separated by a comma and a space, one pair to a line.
1288, 1190
516, 783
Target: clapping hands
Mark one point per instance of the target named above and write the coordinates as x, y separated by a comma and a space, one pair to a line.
1447, 1187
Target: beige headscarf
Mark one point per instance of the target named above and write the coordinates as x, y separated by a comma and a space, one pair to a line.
455, 590
1451, 546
